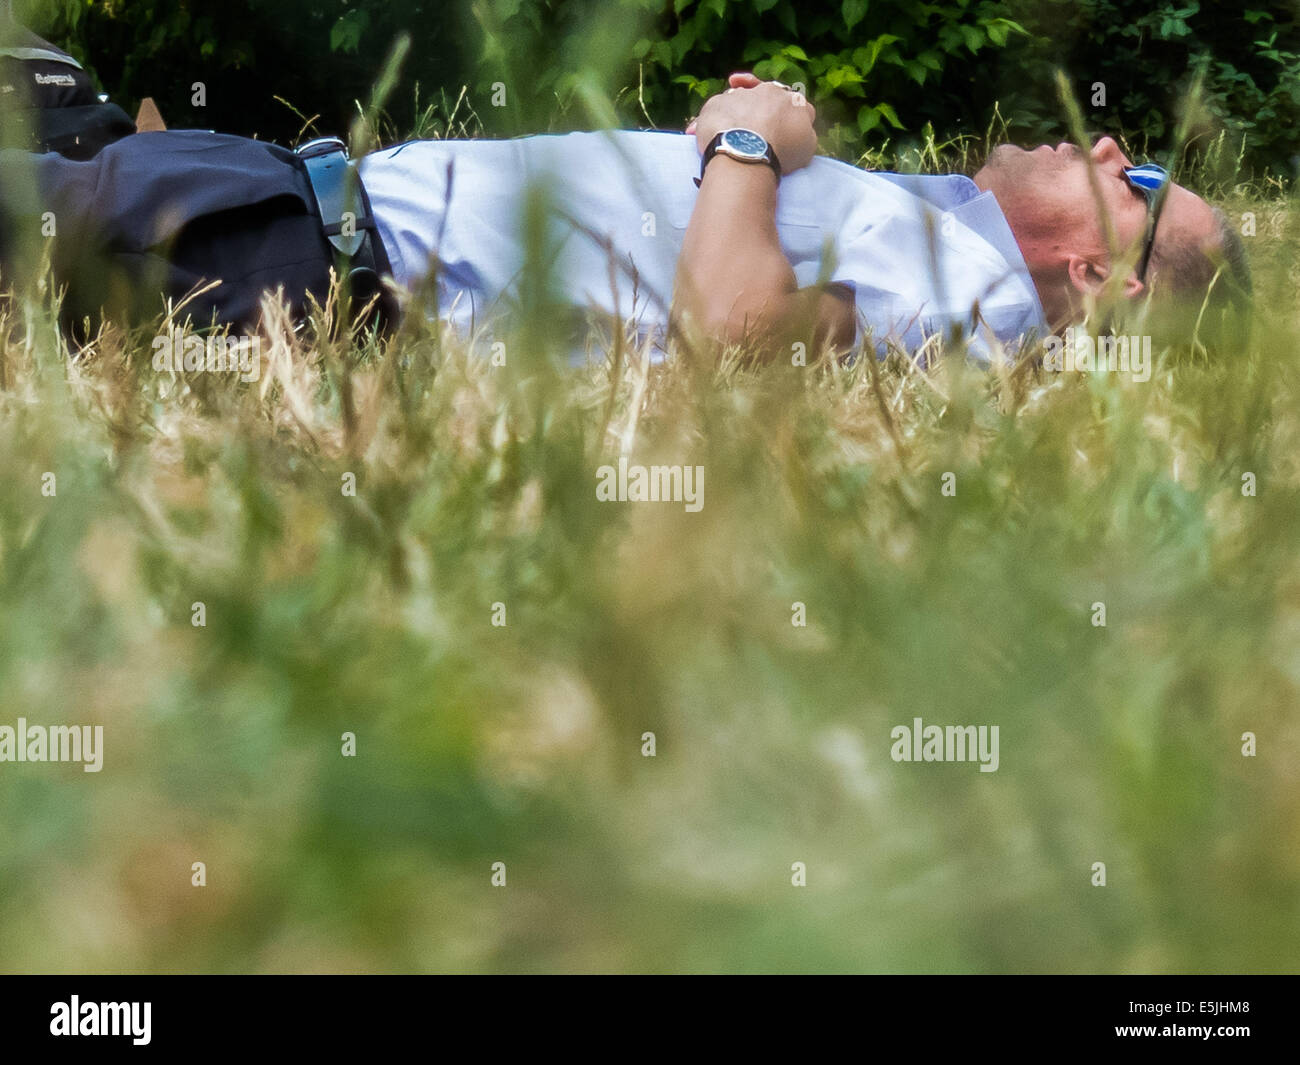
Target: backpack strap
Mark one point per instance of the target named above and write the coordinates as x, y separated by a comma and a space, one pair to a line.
348, 223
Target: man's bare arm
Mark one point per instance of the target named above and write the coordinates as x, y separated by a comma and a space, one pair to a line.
733, 280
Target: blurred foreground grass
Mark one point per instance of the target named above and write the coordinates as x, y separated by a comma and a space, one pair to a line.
521, 743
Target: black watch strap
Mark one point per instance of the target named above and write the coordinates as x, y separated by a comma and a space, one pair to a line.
711, 149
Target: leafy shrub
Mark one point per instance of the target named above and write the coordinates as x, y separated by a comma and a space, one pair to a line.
879, 71
892, 63
1146, 56
888, 65
318, 56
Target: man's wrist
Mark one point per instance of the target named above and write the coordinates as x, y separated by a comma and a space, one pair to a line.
742, 144
737, 172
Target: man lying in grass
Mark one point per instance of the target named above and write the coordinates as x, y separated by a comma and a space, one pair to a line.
775, 238
735, 230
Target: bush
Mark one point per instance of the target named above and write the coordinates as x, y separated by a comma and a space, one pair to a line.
871, 68
879, 71
1146, 57
319, 56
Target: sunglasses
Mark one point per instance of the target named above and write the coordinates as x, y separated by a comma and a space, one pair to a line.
1152, 181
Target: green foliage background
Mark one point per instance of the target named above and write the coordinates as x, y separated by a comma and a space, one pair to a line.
878, 70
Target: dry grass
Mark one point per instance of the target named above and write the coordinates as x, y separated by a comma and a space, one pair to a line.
476, 743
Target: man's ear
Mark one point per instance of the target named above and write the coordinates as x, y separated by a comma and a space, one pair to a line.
1088, 275
1133, 288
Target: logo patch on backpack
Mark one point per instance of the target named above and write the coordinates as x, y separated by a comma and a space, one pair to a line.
56, 79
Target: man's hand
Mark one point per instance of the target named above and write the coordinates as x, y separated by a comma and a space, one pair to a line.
781, 117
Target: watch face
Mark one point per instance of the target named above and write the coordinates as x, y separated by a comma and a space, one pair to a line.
744, 143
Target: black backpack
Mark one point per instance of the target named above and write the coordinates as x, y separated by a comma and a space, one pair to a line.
49, 101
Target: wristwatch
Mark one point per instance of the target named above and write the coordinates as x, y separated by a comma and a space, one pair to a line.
742, 144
